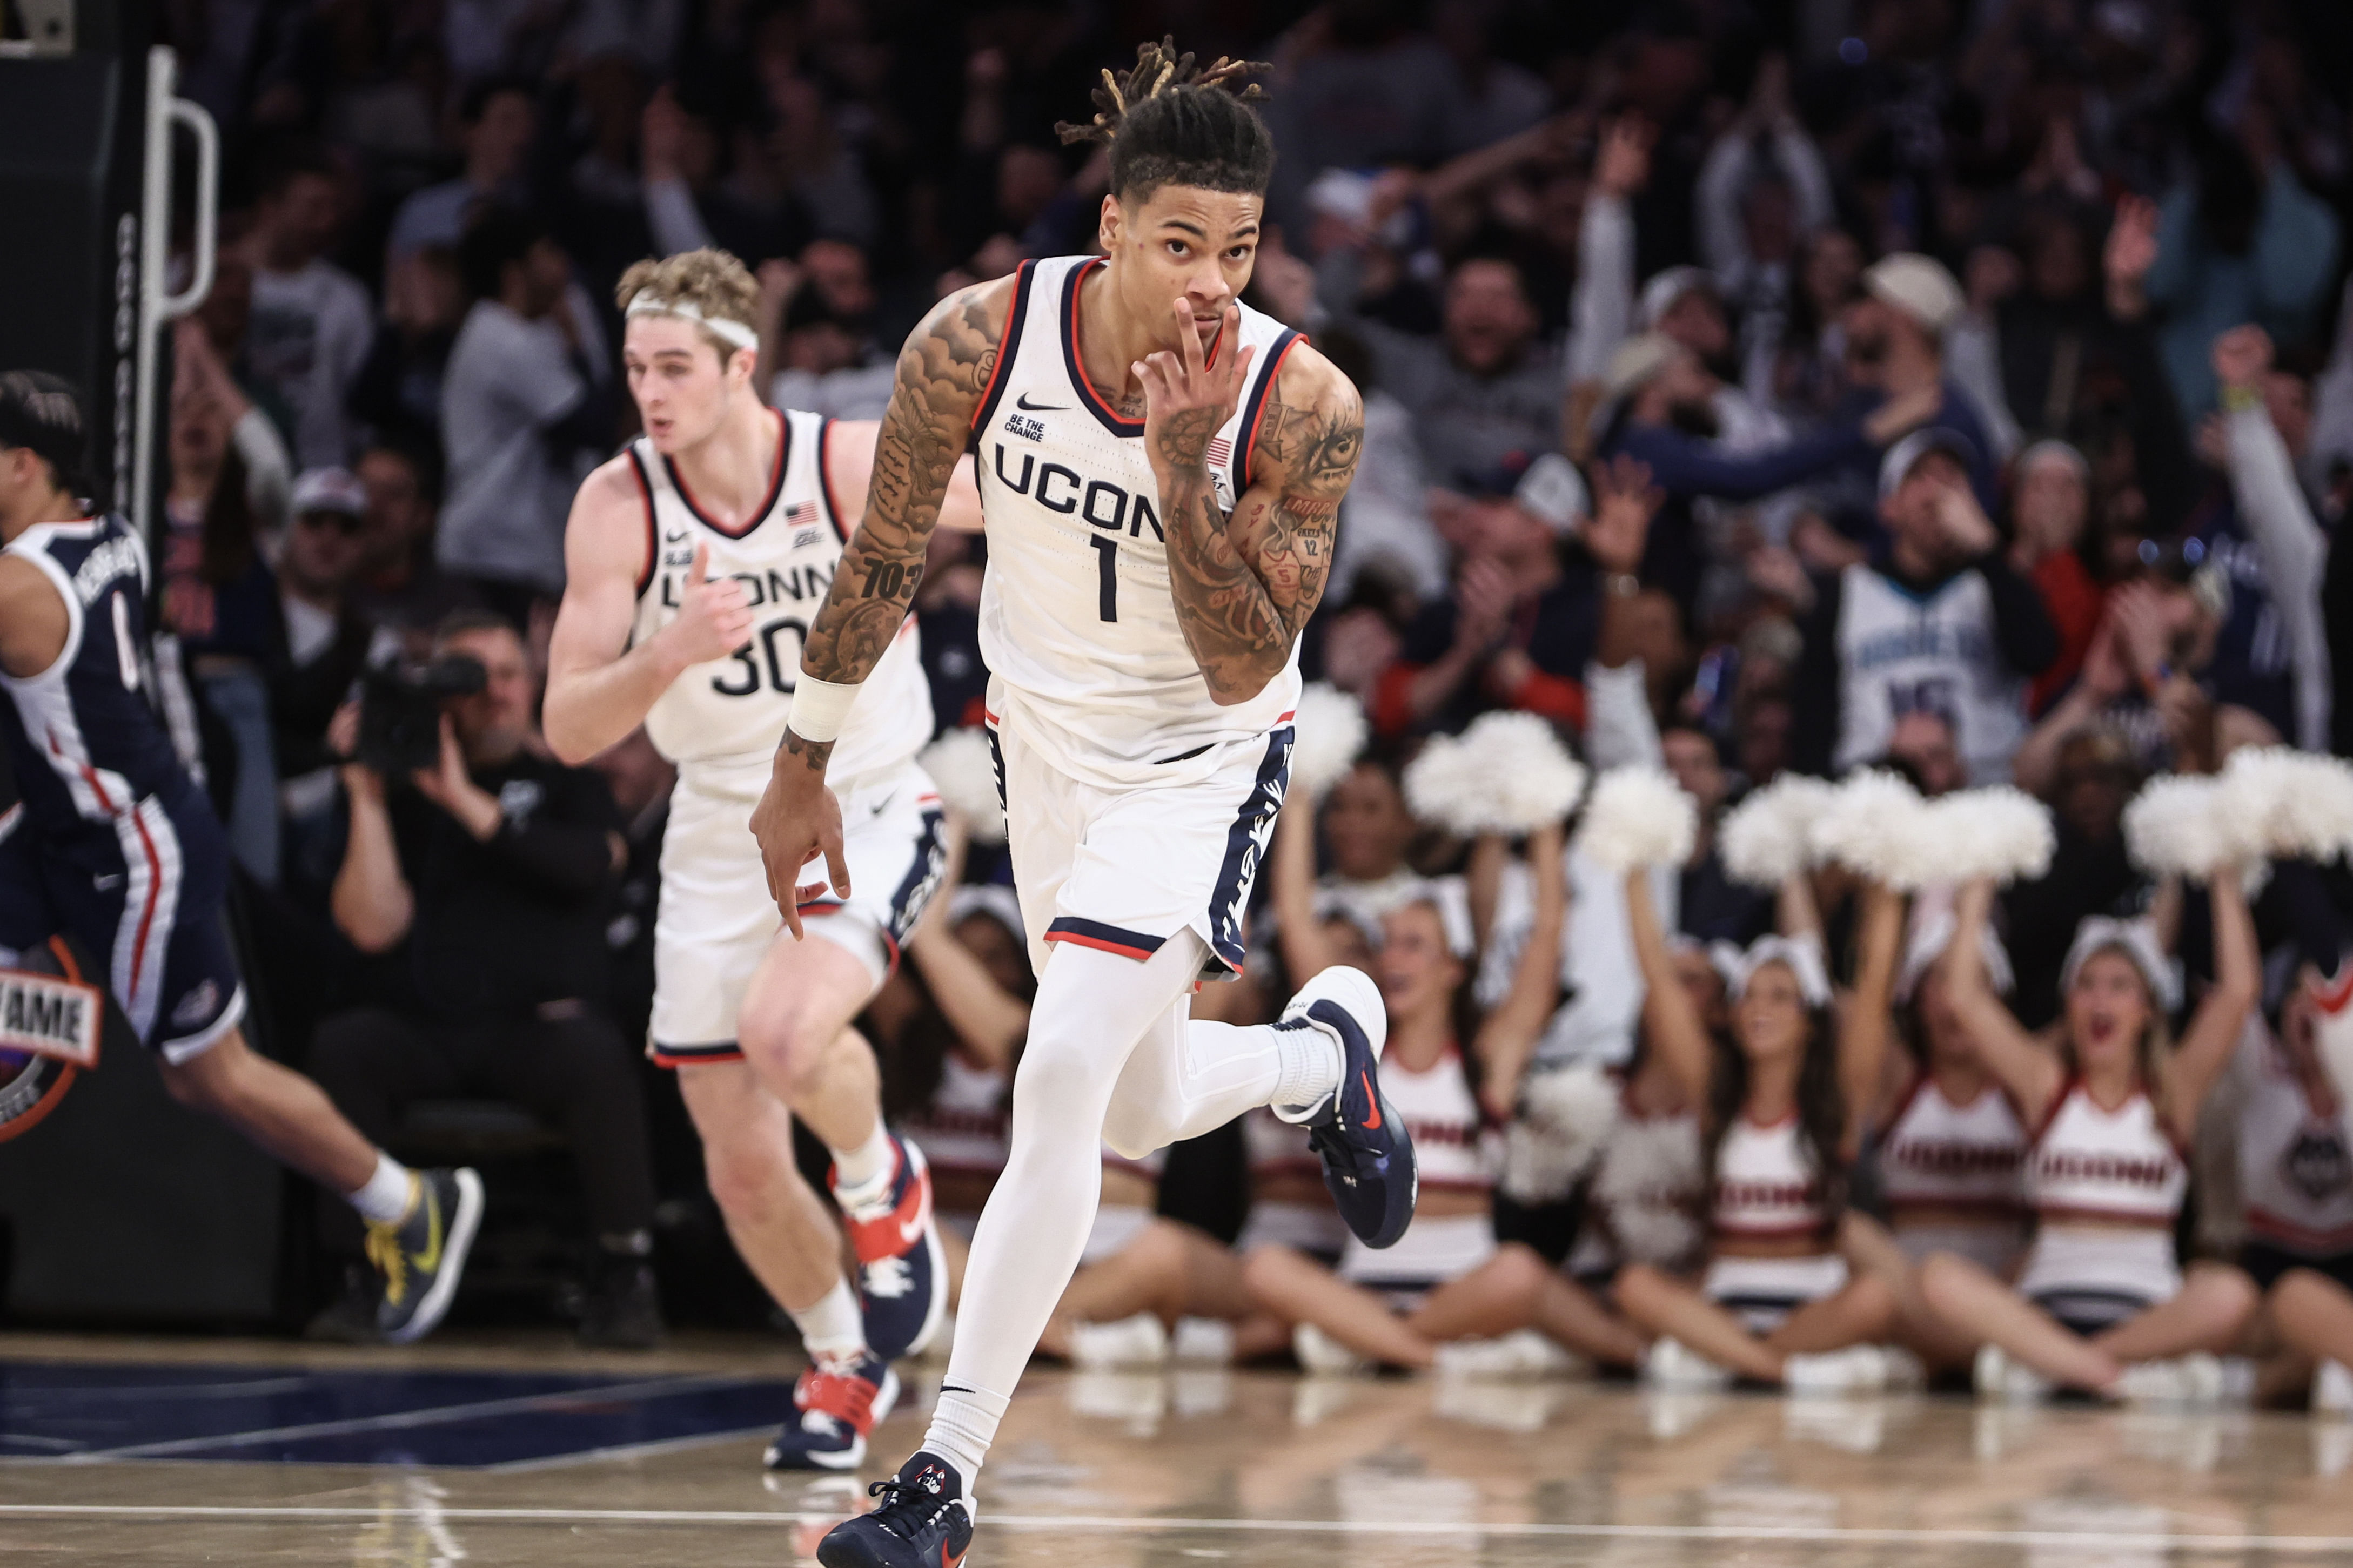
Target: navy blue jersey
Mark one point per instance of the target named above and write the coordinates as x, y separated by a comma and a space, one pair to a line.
84, 742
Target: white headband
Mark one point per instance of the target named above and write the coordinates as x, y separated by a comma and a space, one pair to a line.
2136, 939
644, 303
1933, 928
1803, 955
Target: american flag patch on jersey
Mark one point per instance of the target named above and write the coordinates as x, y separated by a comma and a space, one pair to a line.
801, 511
1221, 451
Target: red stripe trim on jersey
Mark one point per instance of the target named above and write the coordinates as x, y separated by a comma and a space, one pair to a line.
1111, 419
653, 532
2127, 1218
1105, 938
775, 485
155, 896
1245, 460
1008, 343
694, 1055
2333, 996
825, 480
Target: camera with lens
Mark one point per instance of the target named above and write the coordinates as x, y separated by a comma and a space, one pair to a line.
400, 710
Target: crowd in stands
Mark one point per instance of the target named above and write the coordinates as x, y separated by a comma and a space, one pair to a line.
1751, 390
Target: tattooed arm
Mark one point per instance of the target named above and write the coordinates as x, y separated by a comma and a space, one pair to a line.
943, 372
1245, 585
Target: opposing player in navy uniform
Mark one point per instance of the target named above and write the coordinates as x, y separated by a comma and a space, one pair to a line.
693, 562
1161, 469
116, 847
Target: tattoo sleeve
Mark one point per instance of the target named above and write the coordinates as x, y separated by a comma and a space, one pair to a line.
941, 375
1245, 585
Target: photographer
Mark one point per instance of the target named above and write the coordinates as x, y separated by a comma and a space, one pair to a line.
493, 865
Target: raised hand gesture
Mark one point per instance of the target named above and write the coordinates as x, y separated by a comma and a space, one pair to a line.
715, 618
1187, 400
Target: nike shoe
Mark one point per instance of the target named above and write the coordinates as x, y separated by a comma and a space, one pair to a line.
839, 1401
902, 1274
1998, 1378
1670, 1363
1368, 1156
923, 1522
420, 1256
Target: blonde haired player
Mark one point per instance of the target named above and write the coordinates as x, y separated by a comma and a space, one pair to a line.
694, 564
1161, 469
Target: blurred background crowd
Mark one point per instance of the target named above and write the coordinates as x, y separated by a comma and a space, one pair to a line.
1630, 288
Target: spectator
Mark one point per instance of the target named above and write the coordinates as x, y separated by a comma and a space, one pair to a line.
398, 393
499, 122
1942, 624
689, 207
1762, 191
518, 412
1896, 342
493, 870
2242, 241
312, 322
2050, 509
1485, 398
400, 586
219, 598
818, 320
327, 643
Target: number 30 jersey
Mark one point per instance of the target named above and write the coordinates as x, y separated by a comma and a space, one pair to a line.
1077, 623
721, 721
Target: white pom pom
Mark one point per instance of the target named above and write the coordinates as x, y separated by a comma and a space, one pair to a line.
1874, 827
1331, 736
2000, 832
1769, 838
1637, 817
2174, 827
2281, 804
960, 764
1508, 772
1565, 1115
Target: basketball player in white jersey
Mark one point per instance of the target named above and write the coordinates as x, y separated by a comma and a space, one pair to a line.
694, 560
1161, 469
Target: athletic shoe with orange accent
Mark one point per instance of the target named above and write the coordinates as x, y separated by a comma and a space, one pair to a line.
839, 1401
1368, 1156
923, 1522
902, 1274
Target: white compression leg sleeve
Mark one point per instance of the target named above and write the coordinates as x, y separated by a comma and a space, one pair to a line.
1189, 1076
1093, 1009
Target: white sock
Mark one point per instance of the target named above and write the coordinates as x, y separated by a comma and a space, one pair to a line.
832, 1327
964, 1424
1309, 1069
862, 1176
384, 1197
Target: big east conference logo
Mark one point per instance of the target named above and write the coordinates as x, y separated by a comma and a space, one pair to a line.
48, 1031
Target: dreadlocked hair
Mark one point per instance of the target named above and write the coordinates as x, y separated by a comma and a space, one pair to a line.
1172, 121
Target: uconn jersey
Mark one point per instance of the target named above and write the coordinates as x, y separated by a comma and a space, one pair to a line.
728, 714
1136, 806
1076, 622
1900, 652
721, 721
112, 842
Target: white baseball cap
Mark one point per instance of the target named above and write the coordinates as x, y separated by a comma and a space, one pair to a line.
1660, 294
1919, 286
329, 490
1905, 455
1636, 362
1552, 490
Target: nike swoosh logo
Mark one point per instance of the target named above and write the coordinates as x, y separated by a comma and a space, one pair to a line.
1372, 1122
430, 1259
1023, 402
677, 538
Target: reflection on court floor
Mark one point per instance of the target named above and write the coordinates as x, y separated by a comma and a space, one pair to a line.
371, 1459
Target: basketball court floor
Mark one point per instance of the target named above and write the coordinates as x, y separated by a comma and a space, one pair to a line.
510, 1450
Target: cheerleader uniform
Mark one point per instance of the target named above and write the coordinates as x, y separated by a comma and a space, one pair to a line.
1456, 1152
2106, 1187
2295, 1172
1277, 1150
964, 1131
1951, 1175
1643, 1202
1768, 1187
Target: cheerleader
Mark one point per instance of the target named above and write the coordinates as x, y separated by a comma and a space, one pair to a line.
2100, 1303
1446, 1279
1777, 1303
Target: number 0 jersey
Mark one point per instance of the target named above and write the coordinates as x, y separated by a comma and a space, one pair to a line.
724, 720
1077, 623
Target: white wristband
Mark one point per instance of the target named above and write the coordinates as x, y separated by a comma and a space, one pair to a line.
820, 708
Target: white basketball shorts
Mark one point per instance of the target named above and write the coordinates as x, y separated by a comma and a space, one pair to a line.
1124, 869
716, 920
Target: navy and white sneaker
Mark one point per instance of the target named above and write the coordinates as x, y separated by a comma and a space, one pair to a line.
838, 1403
923, 1522
1368, 1156
903, 1272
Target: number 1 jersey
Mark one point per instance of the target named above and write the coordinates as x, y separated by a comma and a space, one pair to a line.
721, 721
1077, 623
